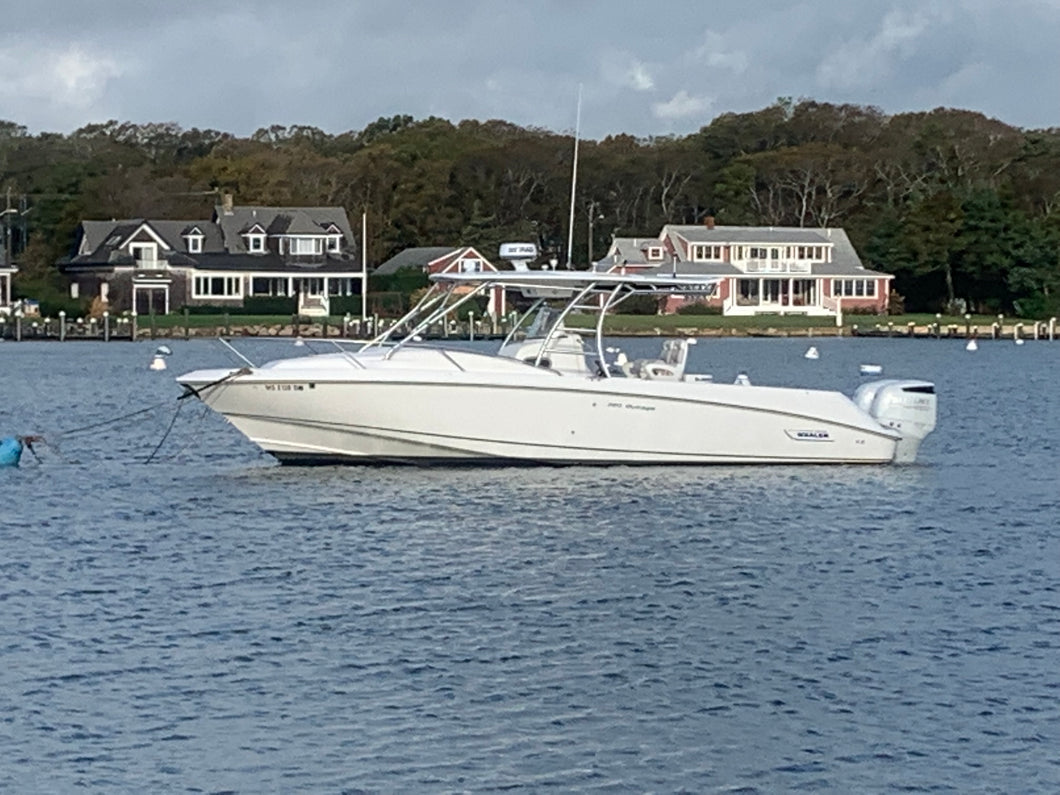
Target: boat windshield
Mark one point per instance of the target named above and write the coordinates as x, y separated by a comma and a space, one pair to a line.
544, 321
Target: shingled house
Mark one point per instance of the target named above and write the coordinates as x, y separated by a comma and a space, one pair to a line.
762, 270
303, 253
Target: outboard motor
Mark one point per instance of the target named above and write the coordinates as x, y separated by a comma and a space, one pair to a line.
909, 407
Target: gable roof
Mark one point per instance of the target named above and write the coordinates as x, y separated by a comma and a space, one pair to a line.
101, 240
417, 257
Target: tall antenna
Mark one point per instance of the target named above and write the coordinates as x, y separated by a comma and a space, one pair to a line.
574, 179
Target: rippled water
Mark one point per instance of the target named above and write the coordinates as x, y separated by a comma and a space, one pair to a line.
207, 621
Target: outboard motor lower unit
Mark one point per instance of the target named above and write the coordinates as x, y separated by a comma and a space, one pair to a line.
909, 407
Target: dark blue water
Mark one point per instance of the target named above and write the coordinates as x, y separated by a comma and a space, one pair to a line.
207, 621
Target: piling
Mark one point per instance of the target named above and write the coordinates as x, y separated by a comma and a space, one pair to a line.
106, 326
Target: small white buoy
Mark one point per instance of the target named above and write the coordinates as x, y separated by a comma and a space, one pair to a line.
972, 346
158, 363
1019, 340
871, 369
298, 342
742, 379
812, 353
163, 350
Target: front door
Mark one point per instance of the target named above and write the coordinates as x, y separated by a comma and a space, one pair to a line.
151, 300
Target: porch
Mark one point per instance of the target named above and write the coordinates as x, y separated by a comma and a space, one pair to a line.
779, 296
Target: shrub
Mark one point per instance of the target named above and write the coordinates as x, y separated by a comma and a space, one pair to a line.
896, 305
342, 304
639, 305
699, 308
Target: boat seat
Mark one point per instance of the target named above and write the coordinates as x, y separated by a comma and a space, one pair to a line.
670, 366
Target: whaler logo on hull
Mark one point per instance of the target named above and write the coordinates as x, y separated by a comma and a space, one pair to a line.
810, 436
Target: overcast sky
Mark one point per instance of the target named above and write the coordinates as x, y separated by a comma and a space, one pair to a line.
656, 68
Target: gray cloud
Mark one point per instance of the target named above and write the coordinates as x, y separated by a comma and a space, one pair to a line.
646, 69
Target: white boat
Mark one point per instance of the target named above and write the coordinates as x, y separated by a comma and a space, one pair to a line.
550, 396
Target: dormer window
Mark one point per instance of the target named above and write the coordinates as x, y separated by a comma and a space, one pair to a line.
655, 253
255, 237
194, 239
334, 243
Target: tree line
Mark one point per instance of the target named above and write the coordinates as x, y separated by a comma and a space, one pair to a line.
960, 207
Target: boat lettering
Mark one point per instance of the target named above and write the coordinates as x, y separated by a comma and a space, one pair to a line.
284, 387
809, 435
633, 406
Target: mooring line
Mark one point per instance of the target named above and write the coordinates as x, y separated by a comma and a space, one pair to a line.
189, 391
162, 441
104, 423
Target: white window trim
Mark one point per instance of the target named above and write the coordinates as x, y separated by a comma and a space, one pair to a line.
233, 283
151, 247
847, 288
297, 241
194, 243
255, 243
334, 243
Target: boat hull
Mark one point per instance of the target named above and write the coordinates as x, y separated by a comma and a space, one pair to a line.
371, 417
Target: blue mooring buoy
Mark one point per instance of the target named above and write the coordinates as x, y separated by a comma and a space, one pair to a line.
10, 451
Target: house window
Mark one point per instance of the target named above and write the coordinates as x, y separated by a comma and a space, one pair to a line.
854, 288
305, 245
702, 252
334, 243
194, 244
268, 286
217, 287
145, 255
655, 253
757, 252
470, 265
255, 243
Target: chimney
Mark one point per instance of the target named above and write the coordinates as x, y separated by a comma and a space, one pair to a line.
226, 203
708, 221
